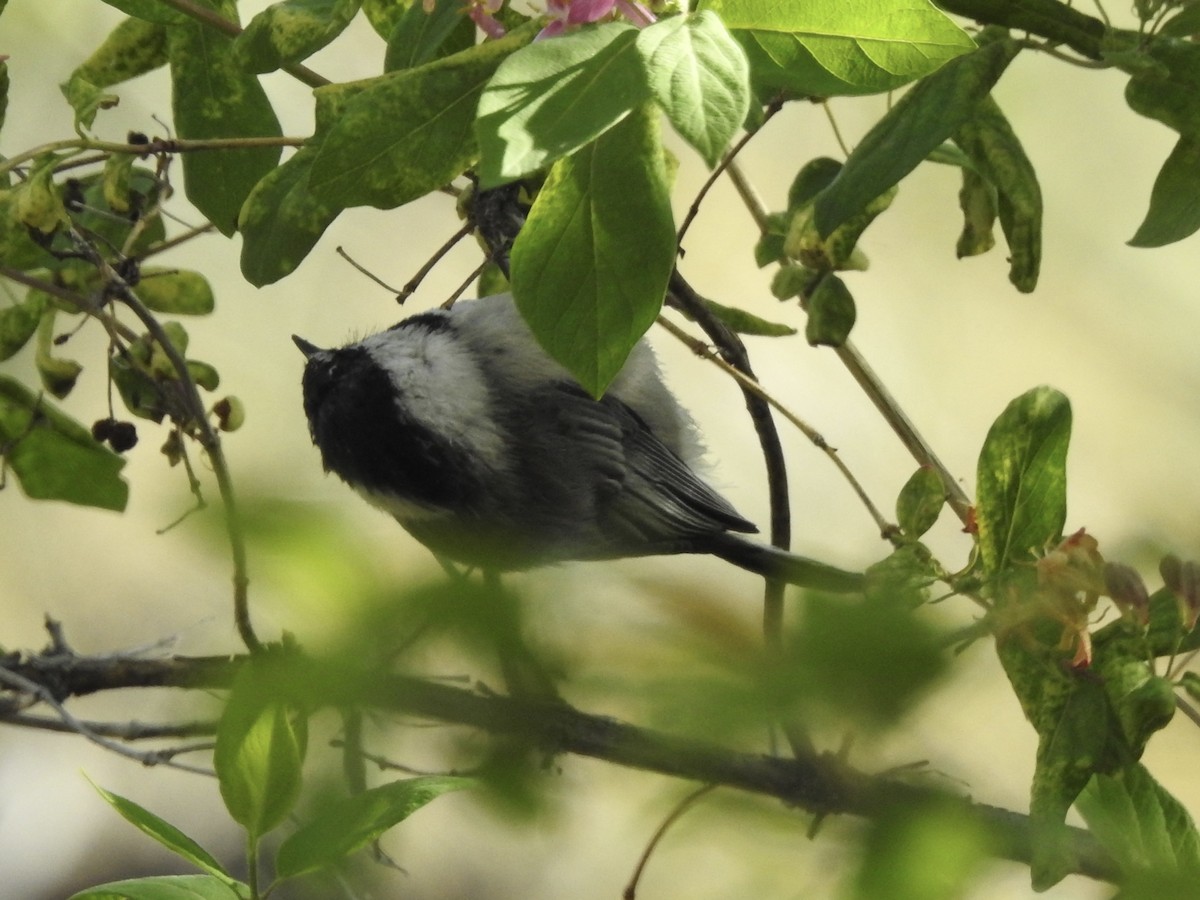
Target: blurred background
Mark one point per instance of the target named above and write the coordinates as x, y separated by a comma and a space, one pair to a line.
1111, 326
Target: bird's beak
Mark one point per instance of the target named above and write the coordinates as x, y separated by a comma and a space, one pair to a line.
305, 347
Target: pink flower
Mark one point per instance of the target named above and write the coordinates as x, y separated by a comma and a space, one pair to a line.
567, 13
483, 14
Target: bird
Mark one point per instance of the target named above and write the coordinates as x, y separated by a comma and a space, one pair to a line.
459, 425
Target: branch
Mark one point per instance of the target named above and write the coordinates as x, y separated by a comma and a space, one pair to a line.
819, 784
1050, 19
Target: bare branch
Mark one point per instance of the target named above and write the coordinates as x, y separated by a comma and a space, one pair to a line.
816, 783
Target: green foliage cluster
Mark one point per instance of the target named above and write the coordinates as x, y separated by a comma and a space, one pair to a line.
576, 119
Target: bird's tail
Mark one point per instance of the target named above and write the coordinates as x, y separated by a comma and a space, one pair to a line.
771, 562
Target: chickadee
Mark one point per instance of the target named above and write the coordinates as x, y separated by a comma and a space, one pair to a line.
459, 425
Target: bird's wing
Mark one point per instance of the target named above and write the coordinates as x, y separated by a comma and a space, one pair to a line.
629, 492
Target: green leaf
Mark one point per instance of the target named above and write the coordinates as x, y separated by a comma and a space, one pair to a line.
552, 97
19, 321
149, 10
591, 264
409, 132
1074, 729
831, 313
1184, 24
830, 47
175, 292
353, 822
743, 322
290, 31
924, 850
978, 201
57, 373
165, 833
1140, 824
700, 77
838, 250
166, 887
258, 754
1175, 199
133, 48
211, 97
866, 660
282, 220
53, 456
1022, 479
912, 129
920, 501
422, 36
384, 14
1169, 89
38, 202
989, 142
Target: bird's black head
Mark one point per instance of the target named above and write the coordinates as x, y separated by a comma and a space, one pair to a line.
358, 419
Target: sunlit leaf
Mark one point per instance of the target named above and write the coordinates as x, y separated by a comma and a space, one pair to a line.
829, 47
408, 132
590, 266
133, 48
289, 31
550, 98
699, 76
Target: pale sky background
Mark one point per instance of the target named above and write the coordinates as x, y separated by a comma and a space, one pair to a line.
1111, 326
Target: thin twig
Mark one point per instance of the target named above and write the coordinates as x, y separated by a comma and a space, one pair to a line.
43, 695
815, 437
681, 807
115, 329
169, 243
206, 434
122, 731
151, 147
726, 162
837, 132
466, 283
892, 414
415, 282
904, 428
363, 270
